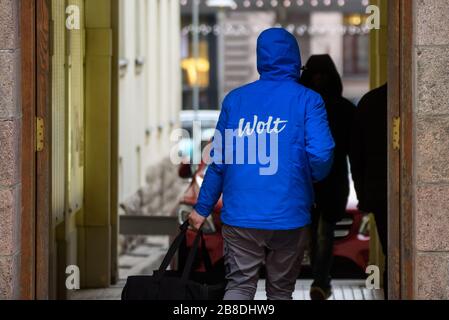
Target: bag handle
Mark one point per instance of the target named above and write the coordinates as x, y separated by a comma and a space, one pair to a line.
190, 258
173, 248
206, 257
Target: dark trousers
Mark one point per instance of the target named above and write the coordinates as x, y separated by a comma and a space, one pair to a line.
322, 246
246, 250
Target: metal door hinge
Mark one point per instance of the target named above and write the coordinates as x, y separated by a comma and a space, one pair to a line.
39, 134
396, 133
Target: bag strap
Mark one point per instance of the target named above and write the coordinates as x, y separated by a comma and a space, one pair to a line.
191, 257
192, 253
205, 255
173, 248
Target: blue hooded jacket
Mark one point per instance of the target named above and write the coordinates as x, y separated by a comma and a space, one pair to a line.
275, 194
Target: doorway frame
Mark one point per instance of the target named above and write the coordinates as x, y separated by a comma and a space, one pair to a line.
400, 160
28, 165
36, 179
36, 247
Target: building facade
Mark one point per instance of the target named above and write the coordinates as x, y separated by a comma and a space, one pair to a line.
431, 148
10, 136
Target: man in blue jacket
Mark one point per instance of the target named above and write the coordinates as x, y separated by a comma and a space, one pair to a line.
266, 206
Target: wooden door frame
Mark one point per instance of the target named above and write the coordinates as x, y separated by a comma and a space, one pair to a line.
400, 162
43, 158
28, 83
36, 174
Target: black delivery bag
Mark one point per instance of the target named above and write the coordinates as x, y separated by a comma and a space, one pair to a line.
182, 284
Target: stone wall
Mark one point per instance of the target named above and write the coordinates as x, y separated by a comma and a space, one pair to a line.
10, 131
431, 111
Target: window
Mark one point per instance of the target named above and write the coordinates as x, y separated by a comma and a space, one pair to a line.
206, 75
355, 46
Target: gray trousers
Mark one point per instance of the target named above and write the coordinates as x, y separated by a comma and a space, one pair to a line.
245, 251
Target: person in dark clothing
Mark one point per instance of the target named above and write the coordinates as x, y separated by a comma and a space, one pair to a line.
369, 162
331, 194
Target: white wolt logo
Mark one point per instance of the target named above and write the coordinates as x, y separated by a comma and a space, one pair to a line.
73, 280
373, 280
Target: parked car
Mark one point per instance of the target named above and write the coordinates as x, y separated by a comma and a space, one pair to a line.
351, 252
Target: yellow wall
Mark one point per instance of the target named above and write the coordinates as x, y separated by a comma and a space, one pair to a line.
89, 121
95, 223
379, 48
67, 140
378, 77
84, 208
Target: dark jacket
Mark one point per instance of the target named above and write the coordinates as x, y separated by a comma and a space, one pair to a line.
369, 151
322, 76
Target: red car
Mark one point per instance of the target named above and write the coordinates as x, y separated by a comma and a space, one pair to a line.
351, 252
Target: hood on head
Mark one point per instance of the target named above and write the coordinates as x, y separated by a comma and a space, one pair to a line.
278, 55
321, 75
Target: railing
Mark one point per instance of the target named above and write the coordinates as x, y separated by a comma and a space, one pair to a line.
132, 225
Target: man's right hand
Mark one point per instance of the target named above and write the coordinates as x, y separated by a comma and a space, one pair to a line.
196, 220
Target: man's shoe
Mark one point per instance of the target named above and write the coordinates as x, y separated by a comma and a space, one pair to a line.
320, 294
